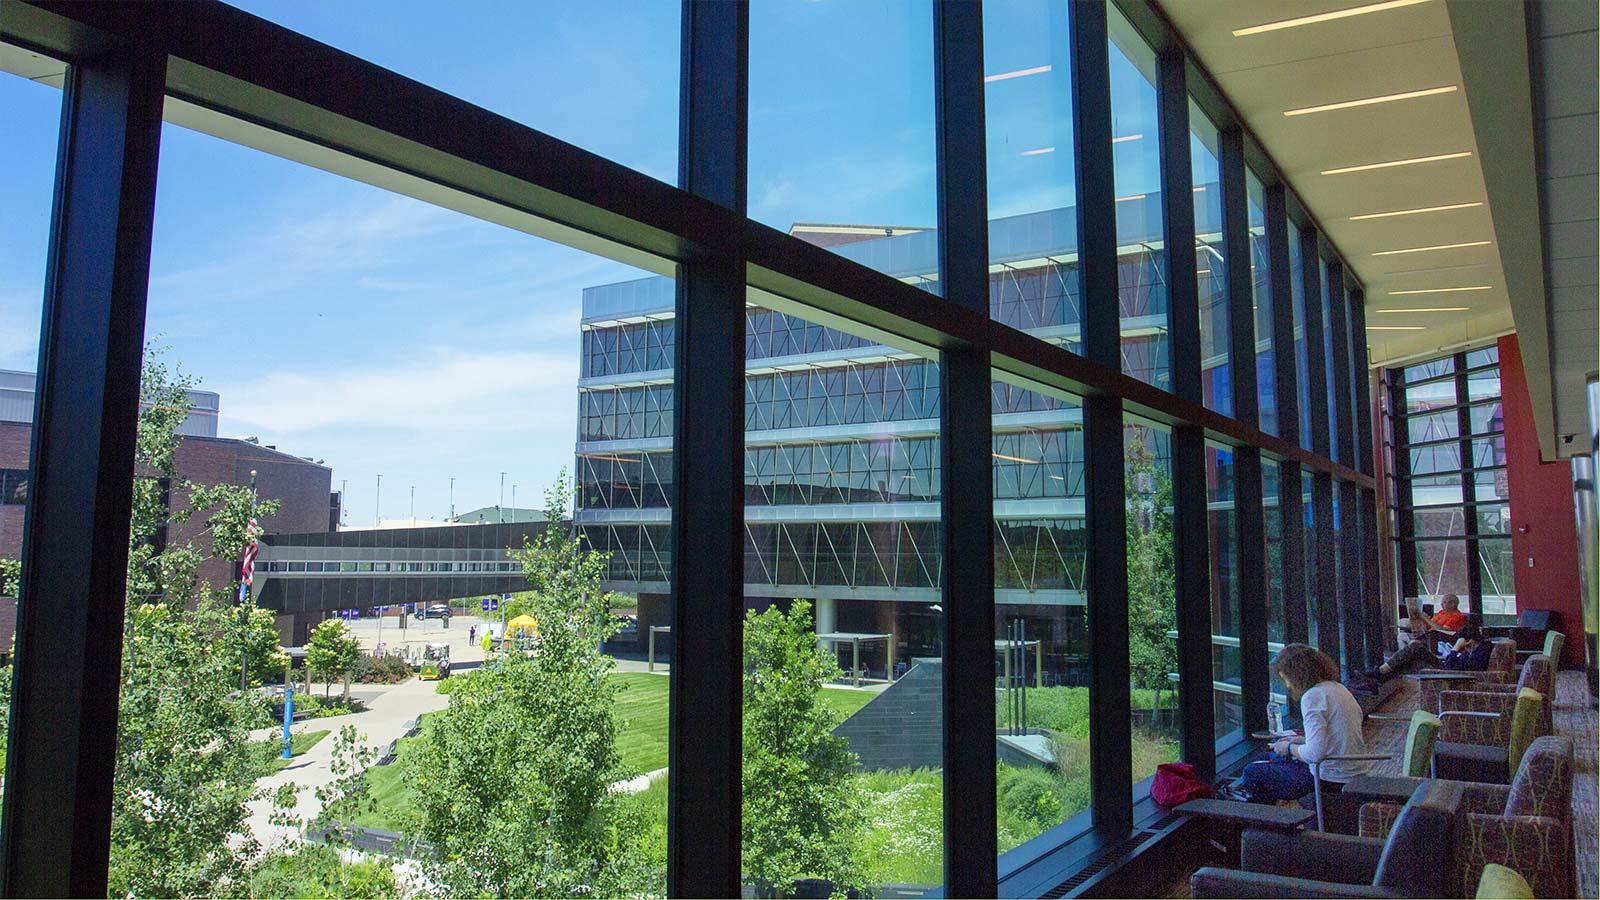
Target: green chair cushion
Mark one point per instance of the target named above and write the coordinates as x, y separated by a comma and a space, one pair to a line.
1420, 738
1501, 883
1524, 725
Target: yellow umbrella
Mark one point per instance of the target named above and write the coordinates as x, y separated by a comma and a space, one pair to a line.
522, 625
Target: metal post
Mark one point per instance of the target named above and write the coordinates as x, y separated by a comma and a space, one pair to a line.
966, 534
1106, 562
61, 755
1251, 519
705, 715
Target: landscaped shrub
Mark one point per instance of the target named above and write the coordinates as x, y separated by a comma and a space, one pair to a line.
380, 670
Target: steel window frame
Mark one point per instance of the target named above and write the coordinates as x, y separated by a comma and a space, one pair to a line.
303, 100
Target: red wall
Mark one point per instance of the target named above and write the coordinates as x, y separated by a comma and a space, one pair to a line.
1543, 521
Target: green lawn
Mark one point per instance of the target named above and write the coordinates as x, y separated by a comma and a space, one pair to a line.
641, 711
272, 750
642, 717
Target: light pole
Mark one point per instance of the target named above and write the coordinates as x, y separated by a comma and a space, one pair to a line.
452, 498
377, 505
513, 501
344, 494
413, 506
501, 508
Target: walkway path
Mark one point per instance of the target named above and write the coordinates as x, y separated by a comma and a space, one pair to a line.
387, 717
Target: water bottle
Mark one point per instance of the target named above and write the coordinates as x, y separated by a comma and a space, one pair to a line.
1275, 716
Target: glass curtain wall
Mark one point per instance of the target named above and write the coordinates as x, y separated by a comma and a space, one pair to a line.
1313, 625
1222, 529
1261, 300
1152, 594
1041, 612
1211, 264
1136, 173
1277, 603
1302, 361
1449, 483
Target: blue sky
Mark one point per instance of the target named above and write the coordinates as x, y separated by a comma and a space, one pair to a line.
384, 335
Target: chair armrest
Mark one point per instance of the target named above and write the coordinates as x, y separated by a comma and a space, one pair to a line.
1214, 882
1314, 855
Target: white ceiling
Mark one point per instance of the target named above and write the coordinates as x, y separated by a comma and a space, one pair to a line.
1411, 48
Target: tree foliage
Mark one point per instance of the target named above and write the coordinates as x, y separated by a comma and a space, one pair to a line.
1152, 581
513, 776
184, 769
802, 809
332, 651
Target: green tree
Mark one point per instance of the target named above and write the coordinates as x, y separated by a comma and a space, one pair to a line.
513, 777
10, 577
1152, 584
331, 651
185, 770
802, 809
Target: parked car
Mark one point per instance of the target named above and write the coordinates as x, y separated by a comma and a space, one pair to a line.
436, 611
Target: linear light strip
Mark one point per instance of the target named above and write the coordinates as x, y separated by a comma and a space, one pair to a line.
1427, 309
1038, 152
1020, 73
1413, 212
1329, 16
1126, 138
1371, 101
1434, 247
1449, 290
1417, 160
1396, 327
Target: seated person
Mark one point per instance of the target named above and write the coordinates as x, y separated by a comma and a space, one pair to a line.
1442, 625
1470, 653
1332, 721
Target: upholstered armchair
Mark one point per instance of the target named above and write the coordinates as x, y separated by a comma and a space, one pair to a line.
1538, 673
1485, 734
1525, 826
1501, 669
1412, 859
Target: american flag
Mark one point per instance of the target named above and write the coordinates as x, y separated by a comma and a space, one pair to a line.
247, 568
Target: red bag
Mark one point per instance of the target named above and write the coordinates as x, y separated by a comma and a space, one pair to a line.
1176, 784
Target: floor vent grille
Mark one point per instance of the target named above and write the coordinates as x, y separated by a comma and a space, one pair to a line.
1104, 861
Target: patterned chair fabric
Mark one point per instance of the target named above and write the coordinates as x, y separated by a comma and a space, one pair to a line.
1526, 826
1492, 732
1376, 818
1538, 673
1501, 669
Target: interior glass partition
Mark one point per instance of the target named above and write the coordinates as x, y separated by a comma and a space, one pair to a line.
1141, 237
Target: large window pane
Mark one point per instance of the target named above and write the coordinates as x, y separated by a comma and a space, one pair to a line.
1223, 532
1442, 568
1302, 360
1309, 535
1136, 157
602, 75
409, 473
1033, 247
1497, 572
841, 130
1335, 447
843, 641
1152, 595
1277, 603
1211, 264
1261, 299
31, 113
1041, 612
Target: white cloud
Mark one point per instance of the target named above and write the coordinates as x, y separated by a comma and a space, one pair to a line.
439, 390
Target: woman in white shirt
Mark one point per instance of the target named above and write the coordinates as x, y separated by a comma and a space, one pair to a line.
1332, 720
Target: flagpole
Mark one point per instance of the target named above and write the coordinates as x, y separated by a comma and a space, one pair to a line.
244, 590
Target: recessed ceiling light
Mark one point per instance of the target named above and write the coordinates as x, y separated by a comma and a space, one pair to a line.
1127, 137
1417, 211
1370, 101
1396, 162
1130, 197
1475, 287
1329, 16
1434, 269
1427, 309
1039, 152
1396, 327
1020, 73
1019, 459
1434, 247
